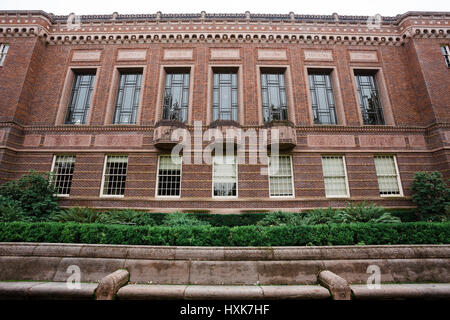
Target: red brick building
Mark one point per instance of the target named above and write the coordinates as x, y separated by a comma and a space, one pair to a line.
361, 104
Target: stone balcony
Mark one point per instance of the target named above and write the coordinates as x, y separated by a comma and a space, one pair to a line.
162, 135
282, 132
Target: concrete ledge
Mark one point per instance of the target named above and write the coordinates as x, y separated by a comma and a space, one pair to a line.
195, 292
109, 285
46, 290
402, 291
339, 287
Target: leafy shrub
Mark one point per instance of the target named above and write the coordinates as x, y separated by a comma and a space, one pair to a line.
319, 216
127, 217
78, 214
10, 210
178, 219
311, 235
279, 218
365, 213
431, 195
35, 194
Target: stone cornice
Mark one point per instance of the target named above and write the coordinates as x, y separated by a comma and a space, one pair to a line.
224, 28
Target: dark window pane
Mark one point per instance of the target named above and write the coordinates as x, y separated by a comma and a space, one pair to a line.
80, 99
225, 96
127, 103
273, 97
322, 99
369, 99
176, 97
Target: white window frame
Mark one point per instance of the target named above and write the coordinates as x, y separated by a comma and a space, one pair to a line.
237, 179
346, 177
292, 178
59, 195
3, 53
157, 179
103, 178
399, 182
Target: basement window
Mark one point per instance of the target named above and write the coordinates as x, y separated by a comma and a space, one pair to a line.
387, 175
169, 176
114, 176
280, 179
3, 51
224, 176
62, 169
335, 176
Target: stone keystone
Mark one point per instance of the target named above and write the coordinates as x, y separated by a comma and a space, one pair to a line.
338, 287
109, 285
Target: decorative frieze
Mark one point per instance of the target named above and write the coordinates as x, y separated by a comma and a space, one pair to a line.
225, 54
318, 55
119, 140
272, 54
86, 55
178, 54
363, 56
417, 141
131, 54
32, 140
331, 141
67, 140
382, 141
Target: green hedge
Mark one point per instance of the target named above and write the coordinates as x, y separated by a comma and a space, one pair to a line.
348, 234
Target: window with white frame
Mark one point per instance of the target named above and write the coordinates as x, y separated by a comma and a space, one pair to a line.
114, 175
280, 176
3, 51
445, 52
169, 176
335, 176
387, 175
224, 176
63, 167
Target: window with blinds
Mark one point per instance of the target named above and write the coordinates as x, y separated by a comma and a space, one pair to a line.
224, 176
322, 99
225, 96
63, 167
176, 97
127, 103
169, 176
369, 98
3, 51
80, 98
280, 176
114, 176
274, 102
387, 175
335, 176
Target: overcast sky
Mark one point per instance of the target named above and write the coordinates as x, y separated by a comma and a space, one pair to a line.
352, 7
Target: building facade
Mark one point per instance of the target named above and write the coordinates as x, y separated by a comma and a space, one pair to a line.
359, 104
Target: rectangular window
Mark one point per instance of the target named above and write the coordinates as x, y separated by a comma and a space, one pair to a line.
274, 97
322, 99
225, 96
176, 97
445, 52
3, 51
169, 176
114, 176
369, 99
280, 176
387, 175
127, 103
224, 176
62, 174
80, 98
335, 176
